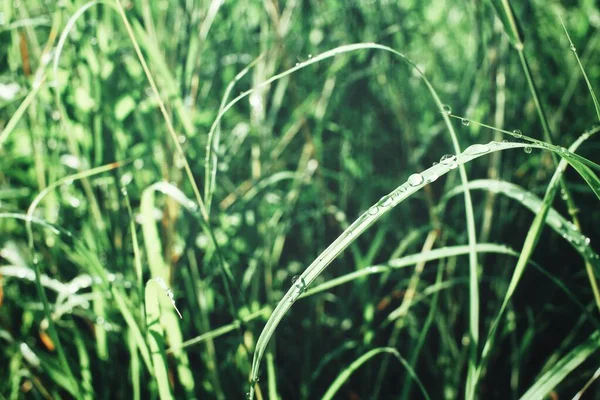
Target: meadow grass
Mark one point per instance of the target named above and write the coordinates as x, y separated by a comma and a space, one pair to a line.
178, 177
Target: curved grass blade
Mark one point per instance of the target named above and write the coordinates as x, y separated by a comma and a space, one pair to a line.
212, 142
562, 368
368, 218
532, 238
470, 221
554, 220
347, 372
399, 263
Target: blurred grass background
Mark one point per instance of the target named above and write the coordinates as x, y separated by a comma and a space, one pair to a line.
297, 162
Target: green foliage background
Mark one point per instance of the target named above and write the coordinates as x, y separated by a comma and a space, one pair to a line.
86, 150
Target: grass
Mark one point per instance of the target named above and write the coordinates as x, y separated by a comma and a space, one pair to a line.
188, 199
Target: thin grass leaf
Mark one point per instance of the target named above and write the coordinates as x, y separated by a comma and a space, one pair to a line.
348, 371
587, 81
415, 182
531, 242
565, 228
555, 375
156, 338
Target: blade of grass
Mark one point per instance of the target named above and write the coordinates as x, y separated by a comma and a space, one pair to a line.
563, 367
348, 371
156, 338
363, 222
530, 244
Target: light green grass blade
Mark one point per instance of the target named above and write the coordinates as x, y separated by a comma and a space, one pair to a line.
156, 338
348, 371
511, 27
159, 269
555, 375
136, 370
212, 142
587, 81
84, 363
470, 222
399, 263
565, 228
163, 110
385, 204
532, 238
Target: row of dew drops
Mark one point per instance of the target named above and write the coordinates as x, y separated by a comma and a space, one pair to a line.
450, 161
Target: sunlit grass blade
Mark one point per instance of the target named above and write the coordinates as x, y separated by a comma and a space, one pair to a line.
156, 338
160, 270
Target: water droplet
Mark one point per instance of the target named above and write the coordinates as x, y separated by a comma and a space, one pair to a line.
518, 134
373, 210
465, 122
563, 194
297, 64
432, 177
310, 56
449, 160
446, 109
181, 139
587, 241
100, 321
527, 149
477, 148
56, 115
415, 179
573, 48
299, 283
386, 201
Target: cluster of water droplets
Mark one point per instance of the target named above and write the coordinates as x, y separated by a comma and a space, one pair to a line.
449, 161
161, 282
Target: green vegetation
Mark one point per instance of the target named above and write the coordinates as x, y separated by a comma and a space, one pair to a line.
299, 199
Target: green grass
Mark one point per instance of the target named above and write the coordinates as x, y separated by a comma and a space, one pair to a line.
189, 199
